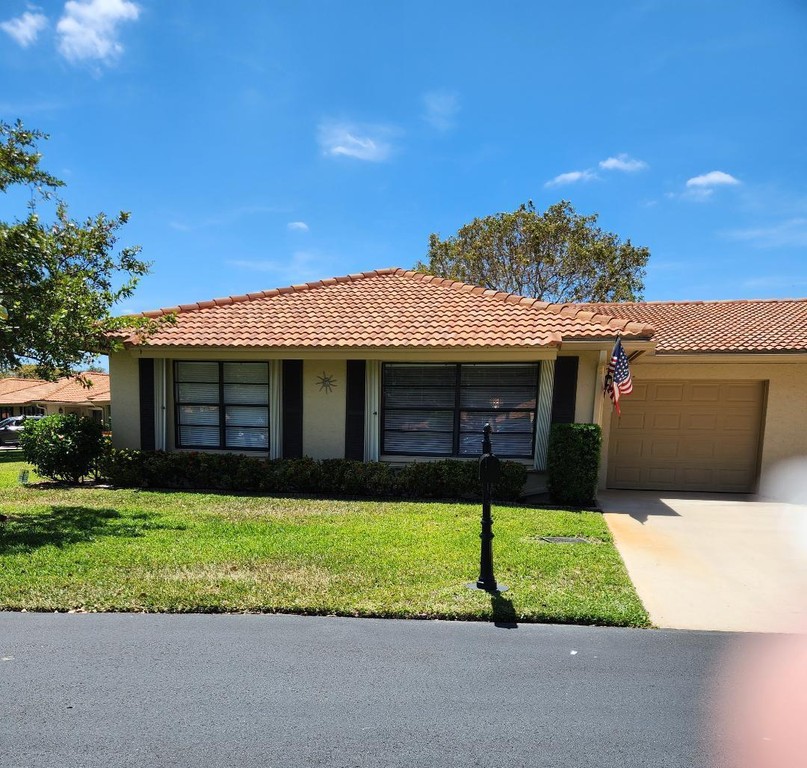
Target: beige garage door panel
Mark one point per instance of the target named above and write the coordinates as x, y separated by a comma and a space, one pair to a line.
688, 436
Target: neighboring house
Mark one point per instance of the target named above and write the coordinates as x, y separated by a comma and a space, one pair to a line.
397, 366
32, 397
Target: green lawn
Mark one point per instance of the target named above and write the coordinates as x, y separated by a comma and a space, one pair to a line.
11, 464
122, 550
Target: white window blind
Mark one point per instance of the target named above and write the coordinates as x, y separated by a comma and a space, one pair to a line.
440, 409
222, 405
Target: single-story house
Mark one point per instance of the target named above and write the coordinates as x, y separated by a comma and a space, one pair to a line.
398, 366
33, 397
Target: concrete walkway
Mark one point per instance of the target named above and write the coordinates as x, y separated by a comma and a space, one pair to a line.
713, 561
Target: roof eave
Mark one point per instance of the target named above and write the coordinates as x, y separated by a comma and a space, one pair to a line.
741, 353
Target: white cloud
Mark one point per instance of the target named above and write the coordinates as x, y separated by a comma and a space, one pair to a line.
362, 142
225, 217
701, 188
441, 109
712, 179
303, 266
88, 29
623, 162
773, 283
572, 177
29, 107
297, 226
26, 28
789, 234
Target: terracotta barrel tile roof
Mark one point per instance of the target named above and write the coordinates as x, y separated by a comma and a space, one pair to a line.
69, 390
775, 325
10, 385
66, 390
384, 308
21, 391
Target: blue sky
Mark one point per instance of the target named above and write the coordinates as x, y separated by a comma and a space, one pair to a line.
259, 144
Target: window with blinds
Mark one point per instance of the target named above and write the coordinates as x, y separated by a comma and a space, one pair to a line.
222, 405
439, 409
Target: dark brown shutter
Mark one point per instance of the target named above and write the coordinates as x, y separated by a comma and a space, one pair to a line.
564, 392
146, 404
292, 409
354, 417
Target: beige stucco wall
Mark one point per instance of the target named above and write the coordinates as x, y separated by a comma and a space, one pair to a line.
784, 433
586, 385
324, 412
125, 398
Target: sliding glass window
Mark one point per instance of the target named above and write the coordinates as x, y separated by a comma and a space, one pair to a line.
440, 409
222, 405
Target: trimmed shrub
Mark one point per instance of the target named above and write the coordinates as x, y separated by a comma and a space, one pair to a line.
446, 479
511, 482
63, 447
449, 479
123, 467
573, 463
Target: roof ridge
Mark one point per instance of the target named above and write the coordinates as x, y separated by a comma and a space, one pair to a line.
565, 310
577, 312
677, 302
23, 382
460, 285
296, 288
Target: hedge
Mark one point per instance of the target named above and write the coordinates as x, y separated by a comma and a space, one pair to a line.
447, 479
573, 463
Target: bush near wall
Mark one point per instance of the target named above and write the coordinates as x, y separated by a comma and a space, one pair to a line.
573, 463
449, 479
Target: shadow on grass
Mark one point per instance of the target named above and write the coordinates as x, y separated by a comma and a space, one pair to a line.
504, 615
309, 496
64, 525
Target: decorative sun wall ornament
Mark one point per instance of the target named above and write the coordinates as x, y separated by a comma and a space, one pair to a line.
326, 382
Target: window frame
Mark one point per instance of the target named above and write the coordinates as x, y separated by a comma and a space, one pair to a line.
222, 408
457, 409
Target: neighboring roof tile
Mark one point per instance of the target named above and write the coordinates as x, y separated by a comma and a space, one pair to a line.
70, 390
9, 388
775, 325
384, 308
65, 390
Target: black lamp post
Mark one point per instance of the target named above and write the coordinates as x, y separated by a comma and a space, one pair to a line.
489, 471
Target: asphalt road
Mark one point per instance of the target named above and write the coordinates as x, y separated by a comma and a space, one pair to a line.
156, 690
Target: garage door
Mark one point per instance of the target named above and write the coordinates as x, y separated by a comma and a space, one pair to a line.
688, 436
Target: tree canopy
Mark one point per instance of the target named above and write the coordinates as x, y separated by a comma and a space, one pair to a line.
60, 279
557, 256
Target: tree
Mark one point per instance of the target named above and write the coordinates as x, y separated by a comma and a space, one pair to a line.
29, 371
556, 256
25, 371
58, 280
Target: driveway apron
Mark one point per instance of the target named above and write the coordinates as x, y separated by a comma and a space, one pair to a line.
713, 561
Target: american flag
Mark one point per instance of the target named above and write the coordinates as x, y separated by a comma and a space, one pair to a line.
617, 380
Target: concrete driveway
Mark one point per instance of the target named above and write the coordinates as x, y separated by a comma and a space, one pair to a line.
713, 561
